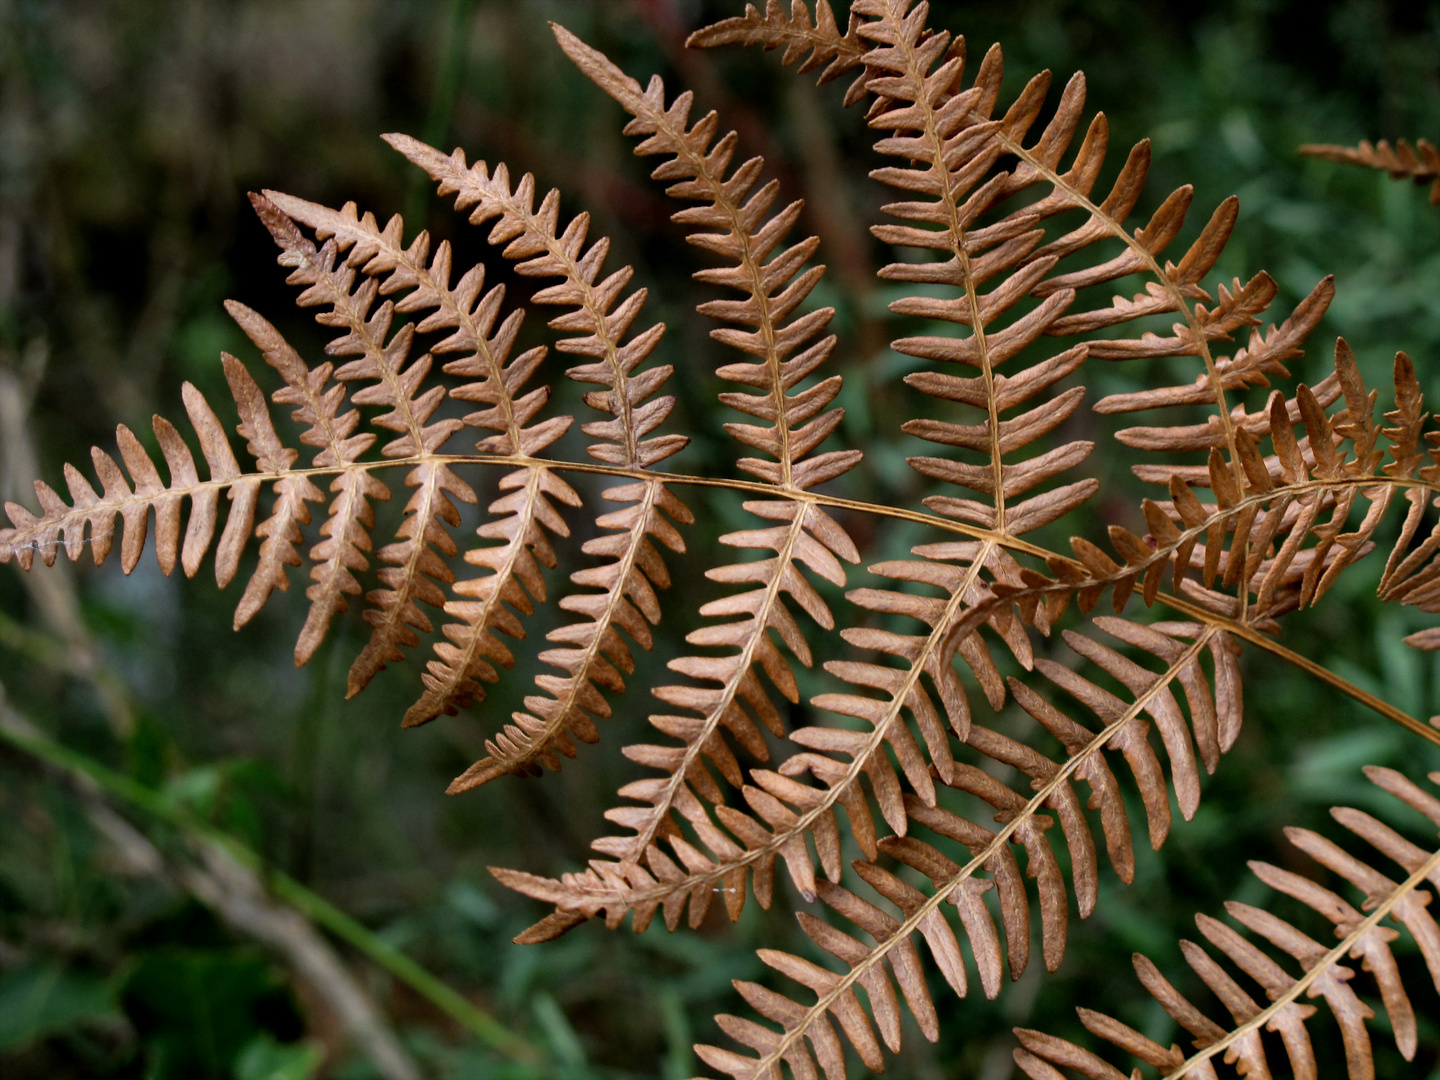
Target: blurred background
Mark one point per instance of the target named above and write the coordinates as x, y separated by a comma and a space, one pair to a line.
144, 737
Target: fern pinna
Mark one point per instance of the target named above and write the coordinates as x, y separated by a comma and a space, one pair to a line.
956, 731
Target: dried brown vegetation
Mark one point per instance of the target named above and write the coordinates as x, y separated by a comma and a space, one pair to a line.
1420, 163
914, 766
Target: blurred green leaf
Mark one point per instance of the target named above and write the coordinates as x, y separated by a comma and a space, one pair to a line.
43, 1000
198, 1009
265, 1059
561, 1036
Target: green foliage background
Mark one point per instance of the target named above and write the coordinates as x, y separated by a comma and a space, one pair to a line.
129, 133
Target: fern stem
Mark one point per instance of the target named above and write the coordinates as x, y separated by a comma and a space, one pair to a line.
1302, 984
283, 887
756, 487
1319, 671
11, 548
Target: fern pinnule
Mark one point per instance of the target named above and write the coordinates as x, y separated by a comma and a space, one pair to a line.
818, 42
1322, 975
952, 156
735, 222
293, 490
635, 568
1420, 163
1216, 717
92, 516
1411, 571
1263, 356
341, 553
381, 358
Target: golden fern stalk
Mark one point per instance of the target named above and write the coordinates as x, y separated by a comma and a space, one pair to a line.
927, 803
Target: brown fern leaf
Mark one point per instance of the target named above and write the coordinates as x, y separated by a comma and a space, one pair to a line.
817, 42
1420, 163
335, 558
90, 517
1009, 247
280, 531
741, 859
737, 225
1322, 975
936, 115
383, 362
601, 320
745, 233
948, 157
1253, 537
1215, 719
345, 530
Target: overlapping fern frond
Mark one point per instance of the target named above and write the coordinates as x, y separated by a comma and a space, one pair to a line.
943, 760
1363, 935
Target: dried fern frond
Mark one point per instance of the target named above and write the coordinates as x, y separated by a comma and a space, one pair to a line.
735, 222
1322, 974
601, 320
818, 42
985, 859
358, 263
1420, 163
912, 782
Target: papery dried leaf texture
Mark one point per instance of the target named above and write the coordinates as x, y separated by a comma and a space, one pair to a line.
946, 744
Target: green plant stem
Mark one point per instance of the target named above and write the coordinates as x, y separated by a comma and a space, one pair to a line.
453, 52
315, 907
